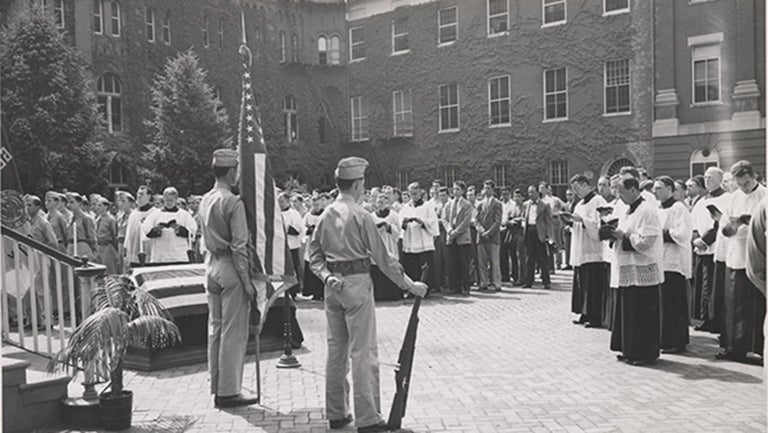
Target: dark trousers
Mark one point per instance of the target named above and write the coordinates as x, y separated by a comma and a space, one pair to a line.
505, 254
440, 274
537, 255
674, 312
517, 252
412, 263
297, 269
458, 265
716, 306
744, 315
701, 291
636, 323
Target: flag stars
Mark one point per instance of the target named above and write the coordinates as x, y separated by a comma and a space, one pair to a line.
249, 139
247, 85
249, 107
249, 128
249, 118
247, 75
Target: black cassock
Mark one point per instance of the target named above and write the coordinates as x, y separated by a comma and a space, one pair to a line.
636, 323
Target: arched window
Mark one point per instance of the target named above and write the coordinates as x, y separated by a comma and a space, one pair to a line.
617, 165
294, 48
291, 118
109, 93
118, 175
206, 38
281, 46
335, 50
115, 18
322, 50
167, 28
702, 159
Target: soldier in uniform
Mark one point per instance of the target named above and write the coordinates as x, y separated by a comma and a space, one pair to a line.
343, 245
228, 282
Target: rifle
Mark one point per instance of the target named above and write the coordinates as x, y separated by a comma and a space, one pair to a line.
405, 363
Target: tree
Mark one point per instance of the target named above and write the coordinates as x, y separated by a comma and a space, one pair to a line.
49, 109
188, 123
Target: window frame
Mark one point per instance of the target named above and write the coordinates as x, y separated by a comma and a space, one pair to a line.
149, 24
697, 158
110, 96
58, 14
625, 10
449, 175
441, 26
353, 44
322, 54
221, 33
605, 88
295, 54
115, 18
363, 134
706, 59
500, 100
290, 119
488, 19
440, 107
563, 170
404, 179
394, 35
206, 31
281, 46
544, 5
166, 28
545, 94
100, 15
334, 54
403, 112
502, 181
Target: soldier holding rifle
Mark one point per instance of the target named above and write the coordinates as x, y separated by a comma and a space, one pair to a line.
344, 244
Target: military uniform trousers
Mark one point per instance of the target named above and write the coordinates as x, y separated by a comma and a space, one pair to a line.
228, 314
351, 316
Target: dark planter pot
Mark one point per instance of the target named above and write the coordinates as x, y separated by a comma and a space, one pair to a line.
116, 410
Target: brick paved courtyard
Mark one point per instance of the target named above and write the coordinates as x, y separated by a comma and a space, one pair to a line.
491, 362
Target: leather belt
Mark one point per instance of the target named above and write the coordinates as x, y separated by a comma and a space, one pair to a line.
350, 267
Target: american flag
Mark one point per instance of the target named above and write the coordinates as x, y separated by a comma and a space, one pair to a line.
270, 255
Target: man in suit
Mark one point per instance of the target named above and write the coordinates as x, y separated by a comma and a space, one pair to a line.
538, 227
488, 226
456, 219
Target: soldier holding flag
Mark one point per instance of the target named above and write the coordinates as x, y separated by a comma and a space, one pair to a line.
344, 243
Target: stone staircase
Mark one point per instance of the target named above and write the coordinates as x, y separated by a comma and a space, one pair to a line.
31, 397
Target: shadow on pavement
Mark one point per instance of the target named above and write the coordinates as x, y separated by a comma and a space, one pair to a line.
702, 372
267, 418
163, 424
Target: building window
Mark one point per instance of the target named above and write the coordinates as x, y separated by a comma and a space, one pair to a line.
294, 48
402, 110
206, 38
449, 107
617, 165
356, 44
499, 101
118, 175
149, 17
98, 17
291, 119
322, 50
615, 6
281, 46
498, 17
501, 175
58, 13
447, 25
449, 176
335, 50
400, 36
702, 159
558, 177
321, 129
555, 94
706, 74
108, 94
553, 12
115, 18
167, 28
221, 33
403, 179
359, 119
617, 87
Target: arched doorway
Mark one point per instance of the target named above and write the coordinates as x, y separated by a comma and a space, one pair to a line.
702, 159
617, 165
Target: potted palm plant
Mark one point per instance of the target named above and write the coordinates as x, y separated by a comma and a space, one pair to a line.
122, 315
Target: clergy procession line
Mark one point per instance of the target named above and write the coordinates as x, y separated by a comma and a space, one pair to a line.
650, 257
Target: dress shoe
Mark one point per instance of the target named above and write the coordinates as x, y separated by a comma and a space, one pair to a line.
621, 357
497, 289
380, 427
740, 357
340, 423
672, 350
234, 400
547, 286
582, 320
527, 286
593, 325
641, 362
482, 289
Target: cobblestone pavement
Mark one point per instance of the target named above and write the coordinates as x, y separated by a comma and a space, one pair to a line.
491, 362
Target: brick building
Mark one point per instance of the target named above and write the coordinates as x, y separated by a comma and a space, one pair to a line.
710, 85
126, 43
513, 91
